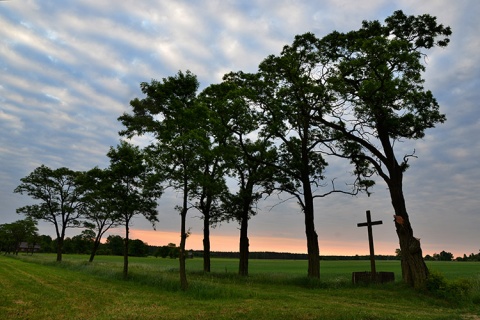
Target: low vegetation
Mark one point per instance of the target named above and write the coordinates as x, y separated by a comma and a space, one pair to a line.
37, 287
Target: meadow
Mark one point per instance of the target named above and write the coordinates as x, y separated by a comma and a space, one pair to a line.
36, 287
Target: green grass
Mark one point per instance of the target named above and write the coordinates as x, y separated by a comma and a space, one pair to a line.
36, 287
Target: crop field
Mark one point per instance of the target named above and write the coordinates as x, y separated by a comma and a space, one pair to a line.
36, 287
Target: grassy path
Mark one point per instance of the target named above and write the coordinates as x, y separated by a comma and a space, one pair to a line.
31, 290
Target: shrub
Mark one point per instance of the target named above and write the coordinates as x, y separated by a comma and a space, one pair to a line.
453, 290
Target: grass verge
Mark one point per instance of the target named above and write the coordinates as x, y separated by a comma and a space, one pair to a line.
36, 288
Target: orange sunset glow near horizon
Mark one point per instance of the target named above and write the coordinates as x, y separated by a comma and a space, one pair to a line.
230, 243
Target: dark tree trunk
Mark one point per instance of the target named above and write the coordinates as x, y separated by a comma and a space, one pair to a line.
312, 237
206, 242
125, 253
244, 244
96, 244
59, 249
414, 269
313, 249
183, 239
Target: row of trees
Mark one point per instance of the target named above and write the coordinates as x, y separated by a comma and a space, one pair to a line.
26, 232
13, 235
448, 256
352, 96
98, 199
470, 257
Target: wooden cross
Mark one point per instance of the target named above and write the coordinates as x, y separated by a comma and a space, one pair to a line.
369, 225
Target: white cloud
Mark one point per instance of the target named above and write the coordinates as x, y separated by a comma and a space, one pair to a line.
69, 69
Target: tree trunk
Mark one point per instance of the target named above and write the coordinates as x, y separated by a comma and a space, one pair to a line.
244, 244
312, 237
414, 269
59, 249
183, 239
96, 244
125, 253
206, 242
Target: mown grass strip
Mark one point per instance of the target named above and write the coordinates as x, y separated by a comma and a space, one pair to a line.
38, 289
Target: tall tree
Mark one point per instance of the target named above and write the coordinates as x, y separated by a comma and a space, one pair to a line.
136, 189
288, 94
252, 176
99, 205
206, 196
60, 201
171, 113
244, 159
376, 73
210, 182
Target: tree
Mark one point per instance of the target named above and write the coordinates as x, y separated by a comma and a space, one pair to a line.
380, 100
289, 96
115, 245
99, 206
250, 172
171, 113
83, 242
173, 250
46, 243
135, 187
138, 248
210, 183
60, 201
443, 256
13, 234
162, 251
244, 159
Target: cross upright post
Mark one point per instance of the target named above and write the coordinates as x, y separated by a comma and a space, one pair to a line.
369, 225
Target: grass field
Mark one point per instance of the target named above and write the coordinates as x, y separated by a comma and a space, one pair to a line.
36, 287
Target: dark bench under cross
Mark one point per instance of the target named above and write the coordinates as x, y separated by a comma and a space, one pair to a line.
369, 225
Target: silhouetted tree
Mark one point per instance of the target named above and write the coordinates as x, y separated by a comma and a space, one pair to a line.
288, 96
170, 112
60, 201
115, 245
136, 189
99, 208
379, 98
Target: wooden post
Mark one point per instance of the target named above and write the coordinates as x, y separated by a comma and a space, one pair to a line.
369, 225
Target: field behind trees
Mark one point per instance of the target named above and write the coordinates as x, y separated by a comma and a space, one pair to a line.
36, 287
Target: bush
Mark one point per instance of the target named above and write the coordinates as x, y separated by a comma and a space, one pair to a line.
454, 291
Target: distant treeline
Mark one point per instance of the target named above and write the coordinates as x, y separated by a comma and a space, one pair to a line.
290, 256
82, 244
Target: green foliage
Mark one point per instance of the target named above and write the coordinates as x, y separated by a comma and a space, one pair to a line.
114, 244
99, 207
13, 234
136, 187
137, 248
60, 200
455, 291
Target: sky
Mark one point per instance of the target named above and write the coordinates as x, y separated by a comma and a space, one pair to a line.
68, 70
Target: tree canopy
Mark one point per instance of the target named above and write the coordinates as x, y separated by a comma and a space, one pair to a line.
60, 201
171, 114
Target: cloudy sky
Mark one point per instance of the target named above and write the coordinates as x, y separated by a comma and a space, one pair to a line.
68, 70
